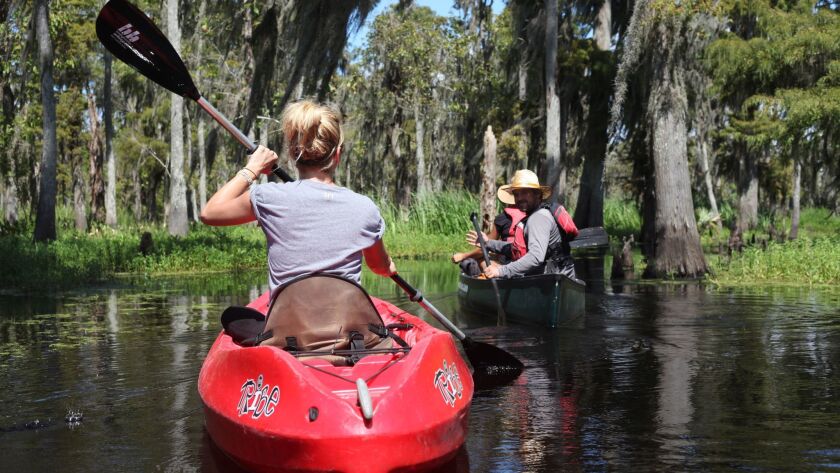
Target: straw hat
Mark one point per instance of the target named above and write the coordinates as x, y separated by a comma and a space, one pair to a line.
522, 179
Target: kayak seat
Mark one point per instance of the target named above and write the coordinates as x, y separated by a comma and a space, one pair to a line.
243, 324
323, 313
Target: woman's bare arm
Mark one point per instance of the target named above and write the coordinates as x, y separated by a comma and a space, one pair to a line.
377, 259
231, 204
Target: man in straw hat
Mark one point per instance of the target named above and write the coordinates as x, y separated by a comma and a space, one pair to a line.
541, 239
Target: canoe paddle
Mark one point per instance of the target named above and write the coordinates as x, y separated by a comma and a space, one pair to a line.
499, 309
491, 365
134, 39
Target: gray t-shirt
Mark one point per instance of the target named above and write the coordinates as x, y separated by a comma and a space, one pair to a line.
541, 232
315, 227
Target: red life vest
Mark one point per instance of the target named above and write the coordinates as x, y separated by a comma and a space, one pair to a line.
515, 216
568, 230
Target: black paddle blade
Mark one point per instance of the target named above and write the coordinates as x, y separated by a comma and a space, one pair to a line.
592, 237
242, 323
492, 366
135, 40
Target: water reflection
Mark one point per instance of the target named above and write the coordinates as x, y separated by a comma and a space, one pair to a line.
659, 377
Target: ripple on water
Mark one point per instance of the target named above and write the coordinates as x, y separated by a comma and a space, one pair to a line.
672, 377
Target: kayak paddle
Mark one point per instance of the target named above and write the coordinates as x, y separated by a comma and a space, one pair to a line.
491, 365
499, 309
134, 39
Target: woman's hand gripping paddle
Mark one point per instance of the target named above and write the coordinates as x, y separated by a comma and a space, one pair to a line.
491, 365
134, 39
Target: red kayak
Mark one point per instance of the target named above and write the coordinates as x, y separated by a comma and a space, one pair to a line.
399, 408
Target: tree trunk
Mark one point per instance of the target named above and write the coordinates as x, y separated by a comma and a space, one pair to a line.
177, 221
420, 154
437, 146
553, 151
202, 164
151, 195
10, 196
45, 217
522, 94
702, 141
201, 128
589, 210
190, 189
79, 207
488, 181
347, 177
402, 189
138, 193
97, 186
10, 201
110, 158
648, 210
261, 48
797, 190
747, 190
677, 248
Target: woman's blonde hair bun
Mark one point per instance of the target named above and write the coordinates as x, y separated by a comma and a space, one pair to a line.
312, 131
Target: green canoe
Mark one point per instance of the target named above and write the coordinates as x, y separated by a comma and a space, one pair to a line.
549, 300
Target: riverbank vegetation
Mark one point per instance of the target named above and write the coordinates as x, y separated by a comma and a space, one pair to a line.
433, 227
698, 127
770, 257
805, 261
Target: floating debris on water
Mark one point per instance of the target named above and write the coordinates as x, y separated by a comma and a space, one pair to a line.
36, 424
74, 418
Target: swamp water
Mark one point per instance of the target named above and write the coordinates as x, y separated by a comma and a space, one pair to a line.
658, 377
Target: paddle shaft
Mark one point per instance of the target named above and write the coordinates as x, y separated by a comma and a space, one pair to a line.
491, 365
480, 238
417, 297
133, 38
238, 135
493, 281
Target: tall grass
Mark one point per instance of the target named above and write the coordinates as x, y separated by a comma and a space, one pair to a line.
433, 224
76, 258
803, 261
444, 213
817, 222
622, 218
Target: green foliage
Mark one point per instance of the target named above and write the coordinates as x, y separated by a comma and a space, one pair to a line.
782, 73
818, 223
409, 44
622, 218
434, 225
76, 258
443, 213
803, 261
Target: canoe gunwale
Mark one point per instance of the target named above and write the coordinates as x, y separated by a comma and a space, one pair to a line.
550, 300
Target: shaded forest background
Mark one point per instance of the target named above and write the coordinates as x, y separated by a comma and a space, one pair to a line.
706, 115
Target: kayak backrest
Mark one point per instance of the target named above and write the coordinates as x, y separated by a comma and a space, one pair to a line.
320, 312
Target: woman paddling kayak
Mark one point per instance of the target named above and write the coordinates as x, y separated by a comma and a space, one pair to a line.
311, 225
326, 378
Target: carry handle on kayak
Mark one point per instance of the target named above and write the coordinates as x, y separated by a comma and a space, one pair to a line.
491, 365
